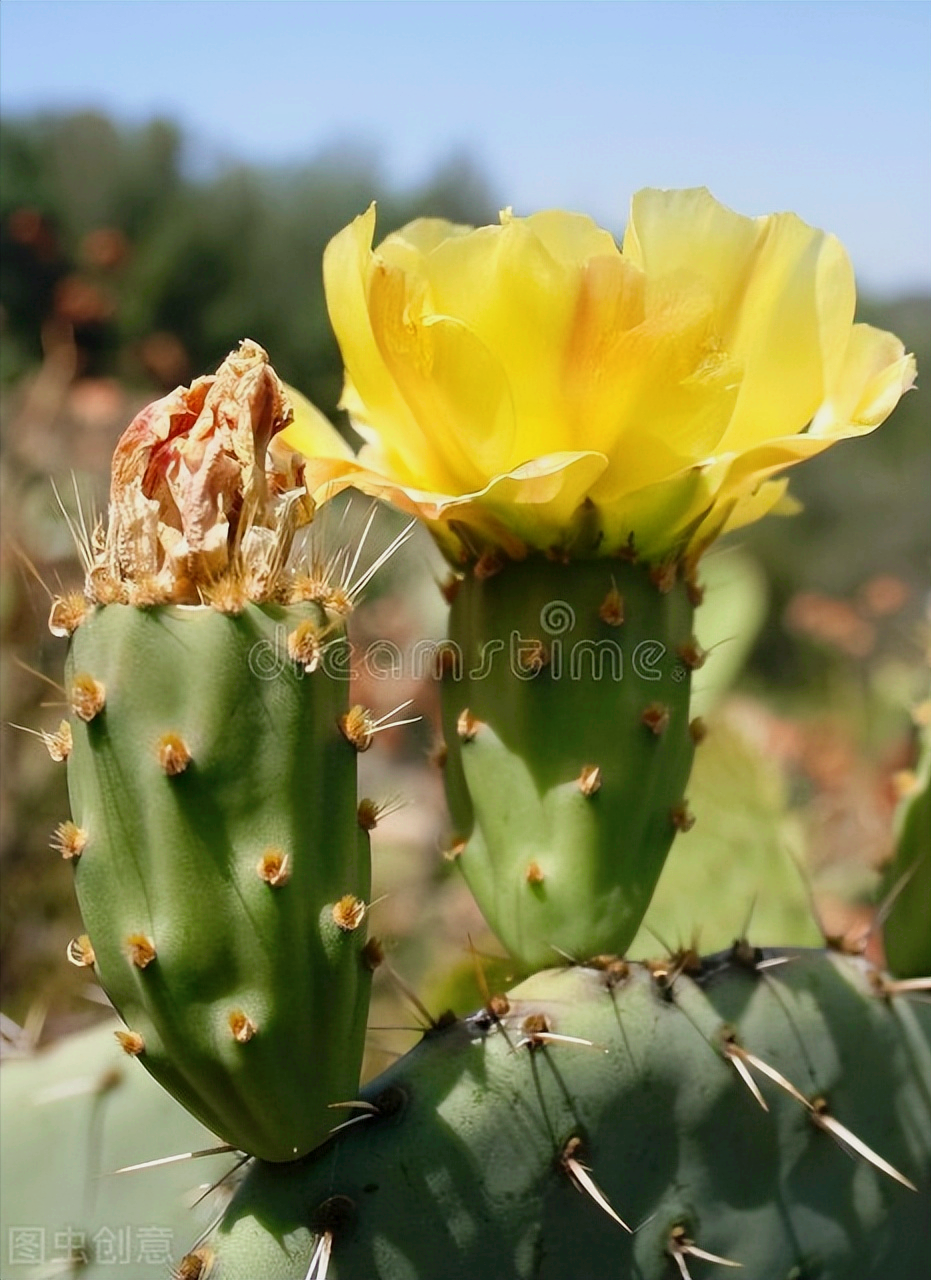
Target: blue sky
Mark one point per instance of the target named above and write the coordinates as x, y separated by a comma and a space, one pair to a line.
823, 108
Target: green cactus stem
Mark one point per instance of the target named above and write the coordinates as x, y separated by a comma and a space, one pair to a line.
218, 800
517, 1143
220, 865
565, 693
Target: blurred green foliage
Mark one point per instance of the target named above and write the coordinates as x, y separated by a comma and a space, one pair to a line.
159, 273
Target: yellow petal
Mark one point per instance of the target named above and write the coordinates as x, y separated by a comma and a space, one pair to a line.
790, 332
876, 372
451, 384
371, 394
536, 502
570, 238
651, 387
519, 302
311, 432
688, 232
783, 300
408, 247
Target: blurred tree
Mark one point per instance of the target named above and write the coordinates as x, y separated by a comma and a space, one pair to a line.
159, 274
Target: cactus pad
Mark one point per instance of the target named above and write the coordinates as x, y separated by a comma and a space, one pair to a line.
502, 1149
566, 718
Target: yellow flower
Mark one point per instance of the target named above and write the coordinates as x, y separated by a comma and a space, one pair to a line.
532, 385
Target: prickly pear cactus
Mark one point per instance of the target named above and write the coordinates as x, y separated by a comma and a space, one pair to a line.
763, 1110
566, 720
220, 864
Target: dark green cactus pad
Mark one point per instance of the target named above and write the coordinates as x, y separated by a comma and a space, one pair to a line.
489, 1130
566, 719
214, 800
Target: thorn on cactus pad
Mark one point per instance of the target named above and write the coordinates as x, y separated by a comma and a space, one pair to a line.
194, 1266
698, 730
734, 1055
69, 840
174, 756
589, 780
241, 1026
531, 657
145, 591
358, 727
348, 913
88, 697
886, 987
682, 817
331, 1218
745, 955
359, 724
103, 588
350, 1123
533, 873
489, 564
751, 1060
355, 1104
685, 960
580, 1176
680, 1246
67, 613
367, 814
80, 952
225, 1149
449, 588
663, 576
533, 1027
305, 645
656, 718
320, 1261
496, 1006
456, 849
611, 609
140, 950
58, 744
370, 812
537, 1032
615, 969
467, 725
274, 867
692, 654
227, 595
410, 994
694, 590
848, 1141
224, 1177
130, 1042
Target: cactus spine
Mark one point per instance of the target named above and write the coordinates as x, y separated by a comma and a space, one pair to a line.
566, 718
